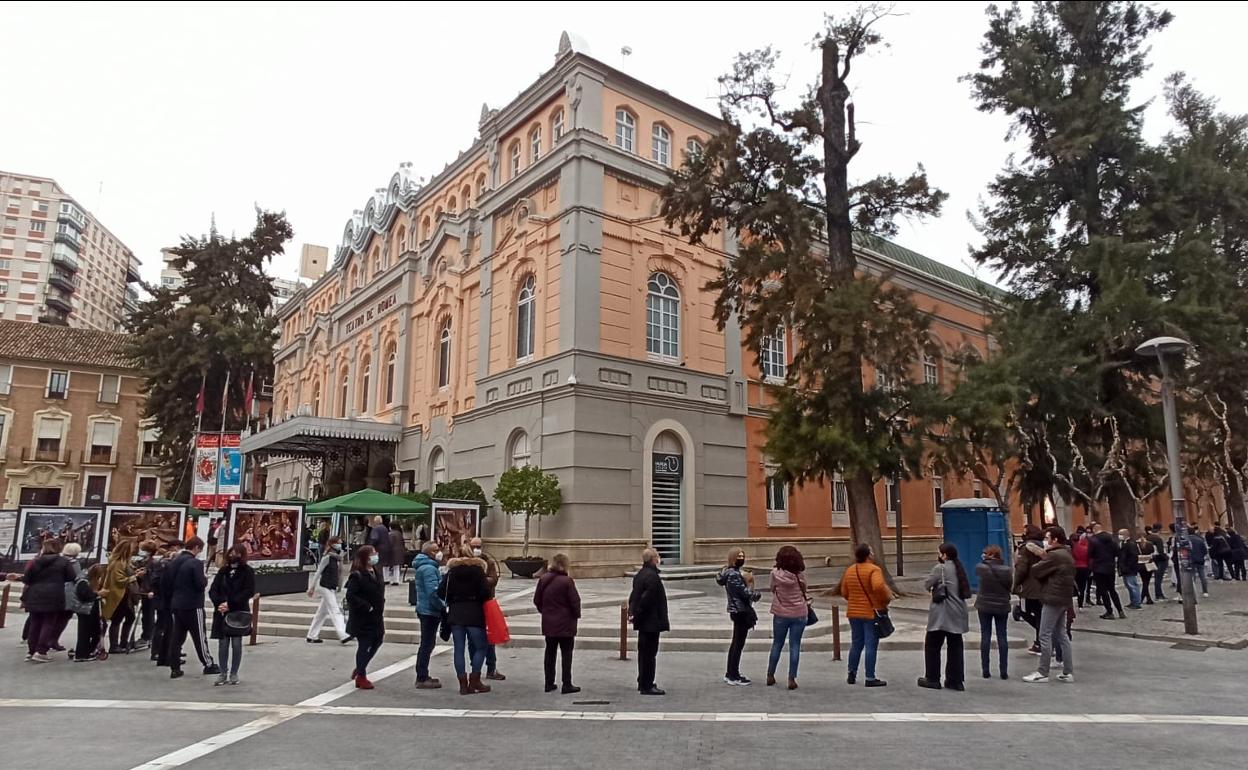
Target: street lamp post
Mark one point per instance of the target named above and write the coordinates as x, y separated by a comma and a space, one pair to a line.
1162, 347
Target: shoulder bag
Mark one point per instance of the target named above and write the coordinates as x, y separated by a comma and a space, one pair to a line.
883, 623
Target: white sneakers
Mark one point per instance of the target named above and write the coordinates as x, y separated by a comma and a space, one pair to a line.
1038, 678
1205, 595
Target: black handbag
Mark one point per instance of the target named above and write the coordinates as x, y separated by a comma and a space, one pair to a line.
884, 627
237, 623
811, 617
940, 592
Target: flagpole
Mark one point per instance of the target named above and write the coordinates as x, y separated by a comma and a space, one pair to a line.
216, 477
199, 424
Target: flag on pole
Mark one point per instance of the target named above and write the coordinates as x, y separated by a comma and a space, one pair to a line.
199, 402
249, 398
225, 399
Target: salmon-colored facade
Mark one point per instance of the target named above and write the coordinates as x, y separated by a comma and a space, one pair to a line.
527, 305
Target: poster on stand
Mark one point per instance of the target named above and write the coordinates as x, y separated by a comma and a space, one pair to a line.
272, 532
8, 533
137, 523
455, 524
204, 471
229, 471
37, 523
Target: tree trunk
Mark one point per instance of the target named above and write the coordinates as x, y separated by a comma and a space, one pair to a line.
1234, 494
1123, 511
525, 552
864, 520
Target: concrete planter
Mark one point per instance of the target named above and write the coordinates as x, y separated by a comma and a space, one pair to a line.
525, 567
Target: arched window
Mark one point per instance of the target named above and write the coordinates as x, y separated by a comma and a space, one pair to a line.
437, 467
452, 205
625, 130
693, 147
444, 354
400, 241
663, 317
480, 186
365, 380
426, 229
771, 356
526, 305
556, 126
390, 360
376, 260
519, 453
342, 399
276, 490
535, 145
466, 194
661, 145
515, 160
355, 277
931, 369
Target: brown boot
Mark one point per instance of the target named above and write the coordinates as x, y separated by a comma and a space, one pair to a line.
771, 680
464, 689
474, 683
792, 683
429, 684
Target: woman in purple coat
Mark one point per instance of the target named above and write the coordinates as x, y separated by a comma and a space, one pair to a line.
560, 606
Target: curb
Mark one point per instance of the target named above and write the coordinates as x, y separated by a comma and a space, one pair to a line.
1231, 643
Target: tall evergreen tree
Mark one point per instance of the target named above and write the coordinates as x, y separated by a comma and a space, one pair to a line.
1062, 226
778, 177
214, 328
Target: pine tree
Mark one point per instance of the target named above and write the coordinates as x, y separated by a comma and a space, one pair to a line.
214, 327
779, 177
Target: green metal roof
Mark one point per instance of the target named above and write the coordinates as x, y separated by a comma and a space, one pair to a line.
926, 265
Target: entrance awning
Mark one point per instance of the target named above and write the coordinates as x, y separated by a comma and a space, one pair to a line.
303, 436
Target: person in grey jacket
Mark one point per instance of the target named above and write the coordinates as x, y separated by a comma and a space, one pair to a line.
946, 620
993, 606
739, 587
1056, 572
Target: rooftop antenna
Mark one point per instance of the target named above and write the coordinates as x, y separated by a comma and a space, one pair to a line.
625, 52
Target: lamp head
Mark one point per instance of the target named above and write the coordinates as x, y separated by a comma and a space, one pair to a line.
1163, 346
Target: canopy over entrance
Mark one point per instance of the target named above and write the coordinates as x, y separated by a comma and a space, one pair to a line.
342, 455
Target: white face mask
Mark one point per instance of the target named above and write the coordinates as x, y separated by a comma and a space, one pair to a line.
440, 556
476, 551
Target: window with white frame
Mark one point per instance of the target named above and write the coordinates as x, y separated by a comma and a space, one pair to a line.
342, 394
840, 502
437, 468
6, 379
625, 130
58, 385
515, 159
110, 388
364, 384
103, 442
892, 499
931, 370
37, 226
518, 456
693, 147
772, 358
444, 354
661, 145
149, 446
6, 419
556, 127
535, 145
777, 497
390, 365
147, 488
525, 316
938, 499
885, 382
663, 317
48, 439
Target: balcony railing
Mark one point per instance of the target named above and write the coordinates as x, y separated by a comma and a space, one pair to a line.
68, 238
79, 222
58, 302
63, 280
150, 460
55, 456
101, 455
132, 271
64, 260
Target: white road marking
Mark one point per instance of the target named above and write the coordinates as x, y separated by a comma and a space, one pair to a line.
280, 713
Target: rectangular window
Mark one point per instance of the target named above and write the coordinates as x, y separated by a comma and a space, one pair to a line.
775, 367
42, 207
95, 490
110, 388
58, 385
37, 227
892, 498
931, 373
6, 379
938, 499
103, 437
977, 489
840, 502
149, 487
777, 500
4, 288
48, 446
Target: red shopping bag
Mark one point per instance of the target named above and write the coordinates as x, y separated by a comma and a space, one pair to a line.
496, 631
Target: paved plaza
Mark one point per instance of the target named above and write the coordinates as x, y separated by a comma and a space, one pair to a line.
296, 708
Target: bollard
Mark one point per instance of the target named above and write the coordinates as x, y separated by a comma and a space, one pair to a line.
255, 619
624, 631
4, 604
836, 632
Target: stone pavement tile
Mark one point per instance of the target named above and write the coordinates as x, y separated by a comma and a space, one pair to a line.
1222, 617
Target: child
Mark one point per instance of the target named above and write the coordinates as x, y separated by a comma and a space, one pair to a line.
90, 624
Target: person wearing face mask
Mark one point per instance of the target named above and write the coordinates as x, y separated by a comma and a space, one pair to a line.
146, 595
231, 591
429, 609
324, 585
1129, 568
739, 588
187, 582
492, 573
366, 607
867, 597
1056, 572
118, 610
559, 604
160, 589
464, 589
647, 609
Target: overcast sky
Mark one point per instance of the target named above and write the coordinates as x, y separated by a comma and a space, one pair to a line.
183, 111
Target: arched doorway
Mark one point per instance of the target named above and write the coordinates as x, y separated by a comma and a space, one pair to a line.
667, 497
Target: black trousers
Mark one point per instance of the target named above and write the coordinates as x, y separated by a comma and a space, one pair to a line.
1083, 585
1031, 613
161, 634
121, 625
1146, 578
188, 622
561, 646
647, 658
147, 611
740, 630
955, 667
88, 633
1106, 593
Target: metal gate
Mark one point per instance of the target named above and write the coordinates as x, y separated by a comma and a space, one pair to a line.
666, 507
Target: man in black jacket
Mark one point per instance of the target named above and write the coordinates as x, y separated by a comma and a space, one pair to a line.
161, 566
187, 583
647, 608
1129, 567
1103, 559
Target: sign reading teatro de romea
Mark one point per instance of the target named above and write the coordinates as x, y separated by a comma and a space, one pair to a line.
368, 314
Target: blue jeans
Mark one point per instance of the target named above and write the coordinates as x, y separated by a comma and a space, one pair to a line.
428, 639
1159, 579
780, 628
1198, 568
491, 655
986, 623
463, 636
1135, 591
863, 636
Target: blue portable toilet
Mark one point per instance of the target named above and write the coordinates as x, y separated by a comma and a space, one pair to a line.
972, 524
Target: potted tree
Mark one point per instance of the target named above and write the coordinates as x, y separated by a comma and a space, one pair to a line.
528, 492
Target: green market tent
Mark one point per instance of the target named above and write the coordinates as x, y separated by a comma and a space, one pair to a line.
368, 501
191, 512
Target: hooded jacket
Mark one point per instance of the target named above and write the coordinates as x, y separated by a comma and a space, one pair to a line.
426, 578
187, 582
1128, 558
740, 597
1026, 586
1056, 572
465, 591
45, 578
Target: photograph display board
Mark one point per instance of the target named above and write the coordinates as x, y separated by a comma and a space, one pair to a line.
8, 532
272, 532
162, 523
454, 525
37, 523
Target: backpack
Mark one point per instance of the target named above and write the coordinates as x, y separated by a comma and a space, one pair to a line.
79, 598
